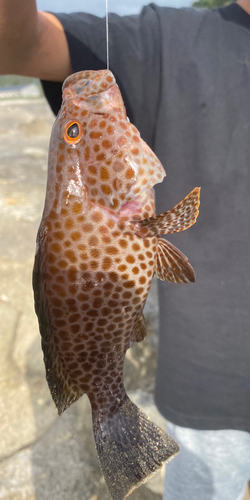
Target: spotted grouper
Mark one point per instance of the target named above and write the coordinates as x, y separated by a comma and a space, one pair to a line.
98, 247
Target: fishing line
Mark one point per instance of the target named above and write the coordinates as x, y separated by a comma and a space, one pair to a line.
107, 33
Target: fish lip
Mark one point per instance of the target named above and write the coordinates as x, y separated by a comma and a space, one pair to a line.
89, 75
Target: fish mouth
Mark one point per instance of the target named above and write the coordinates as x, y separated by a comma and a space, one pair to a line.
89, 82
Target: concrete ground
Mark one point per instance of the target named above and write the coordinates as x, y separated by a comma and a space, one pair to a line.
43, 456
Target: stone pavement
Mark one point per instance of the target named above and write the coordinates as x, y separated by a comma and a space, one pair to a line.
43, 456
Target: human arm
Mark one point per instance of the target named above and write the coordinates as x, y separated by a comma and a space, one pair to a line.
32, 43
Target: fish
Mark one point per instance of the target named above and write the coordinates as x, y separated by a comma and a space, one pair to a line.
98, 247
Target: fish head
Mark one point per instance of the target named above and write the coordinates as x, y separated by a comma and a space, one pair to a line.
97, 153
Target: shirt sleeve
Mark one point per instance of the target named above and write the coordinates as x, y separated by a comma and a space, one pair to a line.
134, 55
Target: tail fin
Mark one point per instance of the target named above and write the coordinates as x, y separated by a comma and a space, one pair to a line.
131, 449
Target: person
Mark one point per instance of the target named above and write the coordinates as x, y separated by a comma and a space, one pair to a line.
185, 76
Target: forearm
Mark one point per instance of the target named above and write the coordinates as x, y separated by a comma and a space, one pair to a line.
18, 33
32, 43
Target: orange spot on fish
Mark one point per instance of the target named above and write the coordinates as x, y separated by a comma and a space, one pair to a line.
95, 135
104, 174
130, 173
83, 256
136, 247
70, 255
56, 247
136, 138
96, 216
93, 124
111, 250
129, 284
130, 259
110, 223
86, 153
53, 215
77, 207
101, 202
115, 203
123, 125
87, 228
122, 268
135, 270
69, 223
75, 236
101, 157
92, 170
59, 235
106, 189
106, 263
98, 302
94, 264
121, 141
123, 243
93, 241
91, 181
103, 229
106, 144
95, 253
83, 266
80, 218
62, 264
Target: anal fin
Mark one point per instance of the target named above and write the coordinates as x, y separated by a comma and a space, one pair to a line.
171, 264
179, 218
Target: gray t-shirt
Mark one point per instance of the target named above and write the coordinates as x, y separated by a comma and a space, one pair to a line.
185, 79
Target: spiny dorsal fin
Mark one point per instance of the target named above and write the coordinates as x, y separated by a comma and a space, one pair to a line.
179, 218
171, 264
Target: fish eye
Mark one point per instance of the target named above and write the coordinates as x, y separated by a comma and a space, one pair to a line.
72, 132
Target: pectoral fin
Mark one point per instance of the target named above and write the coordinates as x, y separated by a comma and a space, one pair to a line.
179, 218
171, 264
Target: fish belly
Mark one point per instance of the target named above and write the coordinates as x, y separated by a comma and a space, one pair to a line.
96, 280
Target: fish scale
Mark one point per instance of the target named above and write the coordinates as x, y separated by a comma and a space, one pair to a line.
97, 251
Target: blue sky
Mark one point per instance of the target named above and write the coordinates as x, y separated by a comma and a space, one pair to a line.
97, 7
